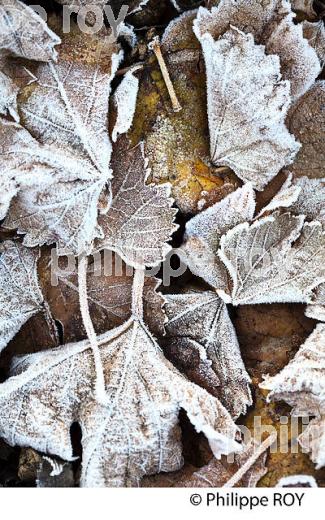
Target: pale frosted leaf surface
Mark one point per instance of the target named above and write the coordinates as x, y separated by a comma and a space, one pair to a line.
20, 295
125, 98
272, 25
311, 201
67, 112
201, 340
203, 233
306, 120
286, 197
140, 220
315, 34
55, 195
24, 33
136, 434
8, 96
109, 288
277, 259
316, 309
247, 106
302, 384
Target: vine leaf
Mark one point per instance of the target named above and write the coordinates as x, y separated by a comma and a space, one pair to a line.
140, 220
279, 258
301, 384
271, 25
20, 295
204, 231
305, 121
136, 433
247, 130
25, 34
64, 167
202, 342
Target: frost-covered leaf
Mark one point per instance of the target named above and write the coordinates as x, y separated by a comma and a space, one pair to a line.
316, 309
24, 33
140, 220
20, 294
286, 197
8, 96
306, 122
302, 384
125, 98
203, 233
272, 25
109, 284
177, 143
315, 34
247, 106
311, 200
277, 259
64, 168
202, 342
136, 434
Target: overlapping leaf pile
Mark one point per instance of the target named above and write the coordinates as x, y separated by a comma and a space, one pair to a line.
76, 181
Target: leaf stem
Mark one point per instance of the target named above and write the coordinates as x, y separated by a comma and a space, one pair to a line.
155, 47
249, 462
137, 294
100, 391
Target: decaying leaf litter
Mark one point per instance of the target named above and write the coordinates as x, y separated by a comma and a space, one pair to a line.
199, 127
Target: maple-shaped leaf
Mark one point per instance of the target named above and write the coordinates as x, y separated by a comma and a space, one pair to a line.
315, 34
109, 288
272, 25
306, 122
279, 258
247, 130
20, 295
65, 167
140, 219
202, 342
136, 433
302, 384
204, 231
24, 33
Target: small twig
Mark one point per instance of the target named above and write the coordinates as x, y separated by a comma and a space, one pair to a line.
133, 68
155, 47
249, 462
100, 390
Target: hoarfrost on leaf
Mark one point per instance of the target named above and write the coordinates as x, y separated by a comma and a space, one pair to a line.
137, 433
140, 220
276, 259
64, 169
302, 385
20, 295
271, 25
201, 340
125, 98
204, 231
247, 106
